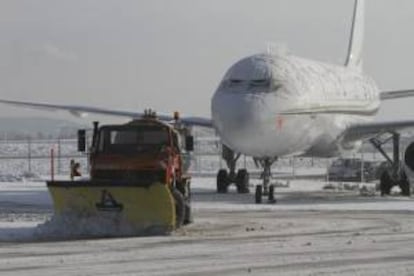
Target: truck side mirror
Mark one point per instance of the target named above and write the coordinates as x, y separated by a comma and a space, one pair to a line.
81, 140
189, 143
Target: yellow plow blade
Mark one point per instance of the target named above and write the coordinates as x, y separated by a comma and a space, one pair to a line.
139, 207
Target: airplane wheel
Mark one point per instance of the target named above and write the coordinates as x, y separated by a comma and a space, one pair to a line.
222, 181
271, 196
404, 185
258, 194
242, 182
385, 184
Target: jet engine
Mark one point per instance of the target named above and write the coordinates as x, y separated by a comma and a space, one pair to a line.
409, 160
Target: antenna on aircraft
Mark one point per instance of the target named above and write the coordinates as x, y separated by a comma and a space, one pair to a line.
276, 49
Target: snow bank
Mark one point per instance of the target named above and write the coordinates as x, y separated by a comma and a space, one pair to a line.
73, 226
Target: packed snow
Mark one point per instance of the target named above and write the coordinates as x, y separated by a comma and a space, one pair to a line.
309, 231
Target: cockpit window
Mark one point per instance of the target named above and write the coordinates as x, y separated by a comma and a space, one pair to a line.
259, 83
235, 81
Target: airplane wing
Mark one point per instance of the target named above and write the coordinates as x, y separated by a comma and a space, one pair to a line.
389, 95
368, 130
81, 111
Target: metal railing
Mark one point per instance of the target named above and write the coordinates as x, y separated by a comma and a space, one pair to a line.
33, 156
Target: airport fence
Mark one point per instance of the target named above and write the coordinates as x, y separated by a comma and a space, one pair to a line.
33, 156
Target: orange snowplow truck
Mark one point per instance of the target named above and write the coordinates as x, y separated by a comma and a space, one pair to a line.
138, 174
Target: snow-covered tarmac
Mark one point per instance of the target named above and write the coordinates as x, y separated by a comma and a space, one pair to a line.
310, 231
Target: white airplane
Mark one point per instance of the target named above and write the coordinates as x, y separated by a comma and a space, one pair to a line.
276, 104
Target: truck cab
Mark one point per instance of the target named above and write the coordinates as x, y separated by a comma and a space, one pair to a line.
145, 150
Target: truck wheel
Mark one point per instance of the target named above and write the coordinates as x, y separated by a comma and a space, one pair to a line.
404, 185
179, 208
242, 181
385, 183
222, 181
188, 217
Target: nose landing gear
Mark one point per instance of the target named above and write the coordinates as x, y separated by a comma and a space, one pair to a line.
266, 189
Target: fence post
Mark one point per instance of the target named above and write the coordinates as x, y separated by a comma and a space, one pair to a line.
29, 155
59, 165
88, 152
52, 164
362, 167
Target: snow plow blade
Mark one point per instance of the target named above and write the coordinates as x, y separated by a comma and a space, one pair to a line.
126, 204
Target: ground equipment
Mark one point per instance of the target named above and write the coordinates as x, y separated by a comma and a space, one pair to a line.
138, 176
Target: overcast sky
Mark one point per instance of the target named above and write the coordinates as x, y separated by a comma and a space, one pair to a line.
171, 54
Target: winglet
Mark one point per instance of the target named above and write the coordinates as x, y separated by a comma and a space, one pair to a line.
356, 39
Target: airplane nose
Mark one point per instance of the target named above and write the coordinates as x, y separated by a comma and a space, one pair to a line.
240, 118
234, 113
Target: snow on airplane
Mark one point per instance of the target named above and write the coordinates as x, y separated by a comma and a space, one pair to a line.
276, 104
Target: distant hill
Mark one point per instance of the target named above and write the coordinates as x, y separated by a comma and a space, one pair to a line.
37, 127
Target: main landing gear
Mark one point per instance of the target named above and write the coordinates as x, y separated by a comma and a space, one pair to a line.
393, 174
226, 178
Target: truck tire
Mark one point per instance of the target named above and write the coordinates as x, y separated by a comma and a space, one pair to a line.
242, 181
179, 208
222, 181
188, 216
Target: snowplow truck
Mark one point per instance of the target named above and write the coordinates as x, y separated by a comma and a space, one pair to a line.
138, 176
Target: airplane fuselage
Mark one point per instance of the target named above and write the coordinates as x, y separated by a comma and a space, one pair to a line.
279, 105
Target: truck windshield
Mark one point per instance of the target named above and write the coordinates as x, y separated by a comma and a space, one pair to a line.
136, 139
